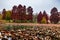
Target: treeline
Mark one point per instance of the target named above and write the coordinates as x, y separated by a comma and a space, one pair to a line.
44, 18
22, 14
19, 14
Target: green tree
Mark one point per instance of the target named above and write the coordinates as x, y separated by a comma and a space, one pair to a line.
8, 15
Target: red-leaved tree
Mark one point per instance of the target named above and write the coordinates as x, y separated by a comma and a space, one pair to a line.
39, 17
54, 15
4, 14
30, 13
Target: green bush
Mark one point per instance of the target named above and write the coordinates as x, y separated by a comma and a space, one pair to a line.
18, 21
29, 21
9, 27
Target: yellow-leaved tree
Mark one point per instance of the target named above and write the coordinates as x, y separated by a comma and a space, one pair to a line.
0, 16
44, 21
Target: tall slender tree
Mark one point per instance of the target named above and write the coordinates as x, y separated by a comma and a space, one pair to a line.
30, 13
14, 15
23, 12
20, 7
39, 17
4, 14
46, 16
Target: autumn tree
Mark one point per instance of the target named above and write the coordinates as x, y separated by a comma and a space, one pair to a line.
8, 15
54, 15
14, 15
4, 13
30, 13
45, 16
0, 16
20, 11
44, 21
23, 13
39, 17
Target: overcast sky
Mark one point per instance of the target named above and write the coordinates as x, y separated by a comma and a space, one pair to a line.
37, 5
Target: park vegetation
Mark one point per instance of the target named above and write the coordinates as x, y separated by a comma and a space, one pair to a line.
23, 14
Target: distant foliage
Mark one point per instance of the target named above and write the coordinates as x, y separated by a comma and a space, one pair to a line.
0, 16
8, 15
46, 16
42, 18
54, 16
39, 17
9, 27
30, 13
4, 14
44, 21
19, 13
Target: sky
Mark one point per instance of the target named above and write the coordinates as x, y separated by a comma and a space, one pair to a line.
37, 5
